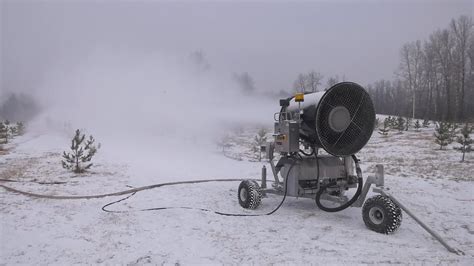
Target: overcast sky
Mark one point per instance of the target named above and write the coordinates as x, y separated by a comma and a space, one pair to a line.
273, 41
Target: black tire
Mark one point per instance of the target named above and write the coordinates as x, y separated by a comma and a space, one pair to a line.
381, 214
249, 194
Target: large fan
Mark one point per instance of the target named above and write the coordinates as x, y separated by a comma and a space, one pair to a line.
345, 119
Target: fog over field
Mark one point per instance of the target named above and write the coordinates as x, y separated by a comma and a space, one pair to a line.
106, 63
272, 40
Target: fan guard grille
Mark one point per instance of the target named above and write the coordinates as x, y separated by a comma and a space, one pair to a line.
357, 132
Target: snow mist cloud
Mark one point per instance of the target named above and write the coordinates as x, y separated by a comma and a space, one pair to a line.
136, 97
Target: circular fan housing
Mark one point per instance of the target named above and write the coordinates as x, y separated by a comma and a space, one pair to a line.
345, 119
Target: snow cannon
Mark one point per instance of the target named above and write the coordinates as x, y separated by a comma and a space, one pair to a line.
340, 121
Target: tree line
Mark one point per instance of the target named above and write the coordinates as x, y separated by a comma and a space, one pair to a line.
435, 79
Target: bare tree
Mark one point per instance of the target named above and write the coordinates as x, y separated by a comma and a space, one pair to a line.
443, 44
461, 29
332, 81
245, 82
300, 83
198, 58
430, 82
470, 78
410, 69
314, 80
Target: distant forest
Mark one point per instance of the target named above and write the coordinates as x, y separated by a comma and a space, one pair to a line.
18, 107
435, 78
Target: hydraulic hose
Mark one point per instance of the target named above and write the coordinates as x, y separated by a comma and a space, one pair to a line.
322, 189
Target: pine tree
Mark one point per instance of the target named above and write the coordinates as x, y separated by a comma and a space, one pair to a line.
376, 123
386, 127
426, 123
417, 125
7, 124
444, 134
260, 140
20, 126
224, 143
465, 140
400, 124
13, 131
79, 159
390, 122
3, 133
453, 127
408, 123
393, 122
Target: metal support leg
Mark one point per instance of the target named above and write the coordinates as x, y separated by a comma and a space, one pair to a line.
422, 224
364, 192
377, 180
270, 149
275, 174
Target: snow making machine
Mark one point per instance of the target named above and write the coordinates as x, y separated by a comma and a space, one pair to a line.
339, 121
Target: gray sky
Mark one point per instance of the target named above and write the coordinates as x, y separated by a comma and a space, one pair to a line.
273, 41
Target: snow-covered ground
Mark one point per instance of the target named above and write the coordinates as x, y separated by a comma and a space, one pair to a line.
432, 183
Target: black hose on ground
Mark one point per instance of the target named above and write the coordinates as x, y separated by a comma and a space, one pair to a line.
119, 193
104, 208
322, 189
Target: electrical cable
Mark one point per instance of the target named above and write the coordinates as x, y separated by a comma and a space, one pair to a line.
351, 201
104, 208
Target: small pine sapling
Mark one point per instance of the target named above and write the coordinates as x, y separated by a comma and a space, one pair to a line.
82, 151
260, 140
408, 121
400, 124
393, 122
386, 127
20, 127
13, 131
444, 134
453, 127
3, 133
390, 121
224, 143
376, 123
417, 125
465, 140
426, 123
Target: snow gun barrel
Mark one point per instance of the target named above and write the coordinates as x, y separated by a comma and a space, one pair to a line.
340, 120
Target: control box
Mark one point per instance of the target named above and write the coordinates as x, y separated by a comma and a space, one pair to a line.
287, 136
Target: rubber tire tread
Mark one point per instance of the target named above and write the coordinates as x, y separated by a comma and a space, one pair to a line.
392, 214
254, 194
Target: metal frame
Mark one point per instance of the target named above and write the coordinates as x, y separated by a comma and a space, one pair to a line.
379, 181
277, 189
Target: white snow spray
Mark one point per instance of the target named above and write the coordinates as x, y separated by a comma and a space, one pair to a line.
149, 107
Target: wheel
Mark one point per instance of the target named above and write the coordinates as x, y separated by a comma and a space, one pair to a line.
249, 194
381, 214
